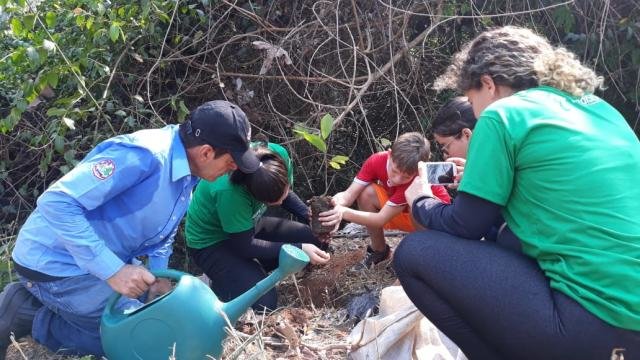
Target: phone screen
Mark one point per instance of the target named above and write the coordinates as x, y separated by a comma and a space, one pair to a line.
441, 173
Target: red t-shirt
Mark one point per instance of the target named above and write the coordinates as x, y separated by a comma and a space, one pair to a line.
374, 170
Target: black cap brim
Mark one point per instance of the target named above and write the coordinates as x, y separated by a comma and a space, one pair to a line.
246, 161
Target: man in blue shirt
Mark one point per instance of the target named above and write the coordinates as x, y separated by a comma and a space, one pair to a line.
125, 199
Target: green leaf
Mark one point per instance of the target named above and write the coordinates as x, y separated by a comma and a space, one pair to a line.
182, 111
50, 19
29, 20
326, 125
16, 27
100, 8
635, 57
114, 32
205, 2
316, 141
334, 165
120, 113
385, 143
58, 144
56, 112
33, 55
341, 159
563, 17
80, 20
52, 79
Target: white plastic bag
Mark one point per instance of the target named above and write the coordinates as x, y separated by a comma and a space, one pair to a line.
400, 331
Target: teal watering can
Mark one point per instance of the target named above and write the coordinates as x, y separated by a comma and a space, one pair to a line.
187, 321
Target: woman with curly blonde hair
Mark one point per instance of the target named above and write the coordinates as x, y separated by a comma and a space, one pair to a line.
560, 164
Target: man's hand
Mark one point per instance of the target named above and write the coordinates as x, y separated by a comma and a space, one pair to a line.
131, 281
419, 187
159, 287
316, 256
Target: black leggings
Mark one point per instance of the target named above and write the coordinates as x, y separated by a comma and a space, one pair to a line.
496, 303
232, 274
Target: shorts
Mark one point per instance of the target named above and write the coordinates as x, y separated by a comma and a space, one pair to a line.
402, 221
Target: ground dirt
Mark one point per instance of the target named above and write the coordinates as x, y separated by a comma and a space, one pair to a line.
312, 321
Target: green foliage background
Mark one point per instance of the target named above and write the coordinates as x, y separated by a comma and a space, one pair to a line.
74, 72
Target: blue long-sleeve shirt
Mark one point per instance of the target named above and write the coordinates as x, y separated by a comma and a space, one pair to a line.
124, 199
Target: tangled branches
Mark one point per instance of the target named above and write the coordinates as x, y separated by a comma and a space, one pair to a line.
287, 63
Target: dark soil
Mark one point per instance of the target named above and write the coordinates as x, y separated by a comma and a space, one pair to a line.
318, 205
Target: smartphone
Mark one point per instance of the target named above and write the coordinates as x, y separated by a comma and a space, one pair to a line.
441, 173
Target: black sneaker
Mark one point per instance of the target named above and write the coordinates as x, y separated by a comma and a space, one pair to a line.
373, 257
17, 309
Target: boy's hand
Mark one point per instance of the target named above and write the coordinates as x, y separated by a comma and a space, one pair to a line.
419, 187
332, 217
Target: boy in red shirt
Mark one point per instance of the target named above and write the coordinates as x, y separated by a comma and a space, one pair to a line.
379, 191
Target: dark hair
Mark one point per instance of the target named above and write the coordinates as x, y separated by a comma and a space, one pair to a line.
408, 150
269, 182
454, 116
520, 59
190, 141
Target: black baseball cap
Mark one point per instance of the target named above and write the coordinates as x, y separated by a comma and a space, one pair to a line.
224, 125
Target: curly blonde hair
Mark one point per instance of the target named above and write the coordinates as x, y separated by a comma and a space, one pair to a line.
520, 59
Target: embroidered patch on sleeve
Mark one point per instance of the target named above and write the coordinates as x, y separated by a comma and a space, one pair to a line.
103, 169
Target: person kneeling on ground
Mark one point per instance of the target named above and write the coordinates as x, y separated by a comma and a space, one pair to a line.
125, 199
379, 191
230, 240
559, 163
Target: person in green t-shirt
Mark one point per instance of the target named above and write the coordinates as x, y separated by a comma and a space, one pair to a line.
452, 128
229, 238
562, 166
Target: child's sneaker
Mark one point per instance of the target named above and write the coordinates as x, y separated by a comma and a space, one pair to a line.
373, 257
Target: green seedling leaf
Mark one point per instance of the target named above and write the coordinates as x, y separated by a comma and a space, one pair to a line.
334, 165
326, 125
313, 139
316, 141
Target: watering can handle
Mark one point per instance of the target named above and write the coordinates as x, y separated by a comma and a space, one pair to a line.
166, 273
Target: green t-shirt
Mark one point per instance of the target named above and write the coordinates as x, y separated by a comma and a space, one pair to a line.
219, 208
566, 171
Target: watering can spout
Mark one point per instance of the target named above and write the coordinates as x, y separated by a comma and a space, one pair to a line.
291, 260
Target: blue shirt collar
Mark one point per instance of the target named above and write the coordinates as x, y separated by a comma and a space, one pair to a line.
179, 161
